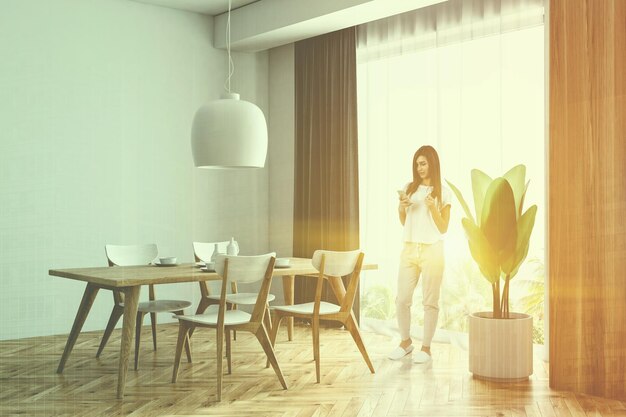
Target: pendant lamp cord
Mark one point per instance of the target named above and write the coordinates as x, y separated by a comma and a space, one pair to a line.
231, 64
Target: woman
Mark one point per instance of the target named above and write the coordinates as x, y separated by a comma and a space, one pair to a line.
424, 211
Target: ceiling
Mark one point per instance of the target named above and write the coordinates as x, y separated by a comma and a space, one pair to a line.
259, 25
208, 7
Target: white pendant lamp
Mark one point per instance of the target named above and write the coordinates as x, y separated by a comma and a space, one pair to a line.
229, 133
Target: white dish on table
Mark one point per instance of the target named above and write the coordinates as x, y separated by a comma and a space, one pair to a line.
282, 263
157, 263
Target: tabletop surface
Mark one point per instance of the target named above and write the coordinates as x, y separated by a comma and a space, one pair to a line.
128, 276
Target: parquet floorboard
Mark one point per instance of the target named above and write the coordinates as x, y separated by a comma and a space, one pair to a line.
29, 385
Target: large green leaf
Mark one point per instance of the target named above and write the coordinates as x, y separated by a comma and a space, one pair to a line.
498, 220
516, 177
481, 251
480, 184
524, 229
521, 204
459, 196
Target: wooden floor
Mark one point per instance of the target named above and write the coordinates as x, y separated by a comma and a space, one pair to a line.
29, 385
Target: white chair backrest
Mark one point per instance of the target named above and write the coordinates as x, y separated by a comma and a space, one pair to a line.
244, 268
126, 255
336, 264
204, 250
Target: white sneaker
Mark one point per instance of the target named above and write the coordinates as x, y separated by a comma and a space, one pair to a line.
422, 357
399, 353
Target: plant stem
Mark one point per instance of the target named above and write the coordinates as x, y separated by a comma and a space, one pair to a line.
505, 297
497, 310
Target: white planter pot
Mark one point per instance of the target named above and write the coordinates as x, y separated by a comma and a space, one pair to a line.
501, 349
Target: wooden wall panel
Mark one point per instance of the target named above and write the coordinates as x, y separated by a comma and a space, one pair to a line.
587, 196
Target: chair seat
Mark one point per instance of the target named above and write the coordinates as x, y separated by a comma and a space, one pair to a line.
161, 306
307, 308
243, 298
231, 318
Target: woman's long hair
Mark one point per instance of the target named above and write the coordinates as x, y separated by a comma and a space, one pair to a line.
434, 172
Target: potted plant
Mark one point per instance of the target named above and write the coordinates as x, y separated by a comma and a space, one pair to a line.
500, 345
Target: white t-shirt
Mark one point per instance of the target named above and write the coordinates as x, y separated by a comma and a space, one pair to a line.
419, 225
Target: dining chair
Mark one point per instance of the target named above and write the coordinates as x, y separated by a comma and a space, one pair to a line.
242, 269
127, 255
203, 251
334, 265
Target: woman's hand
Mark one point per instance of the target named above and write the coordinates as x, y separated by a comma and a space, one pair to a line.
403, 205
404, 202
430, 202
441, 218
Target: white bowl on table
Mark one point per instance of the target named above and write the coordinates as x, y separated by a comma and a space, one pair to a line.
168, 260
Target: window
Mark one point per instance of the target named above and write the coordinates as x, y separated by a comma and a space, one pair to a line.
480, 103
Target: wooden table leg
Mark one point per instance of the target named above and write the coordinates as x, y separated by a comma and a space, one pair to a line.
131, 301
336, 284
204, 297
288, 283
83, 310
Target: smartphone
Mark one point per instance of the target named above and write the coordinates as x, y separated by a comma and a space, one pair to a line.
402, 195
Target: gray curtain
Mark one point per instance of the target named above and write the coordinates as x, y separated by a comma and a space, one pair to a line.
326, 193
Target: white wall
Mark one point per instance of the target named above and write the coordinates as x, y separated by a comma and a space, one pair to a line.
281, 148
96, 103
281, 154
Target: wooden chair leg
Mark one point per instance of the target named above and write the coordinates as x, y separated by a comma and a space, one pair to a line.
266, 344
138, 324
267, 318
183, 330
315, 329
220, 361
228, 351
116, 313
275, 325
188, 348
234, 307
278, 316
153, 322
353, 328
187, 339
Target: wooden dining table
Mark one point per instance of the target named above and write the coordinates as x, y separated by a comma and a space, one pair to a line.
129, 279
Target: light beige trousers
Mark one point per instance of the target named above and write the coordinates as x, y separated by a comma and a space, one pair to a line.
418, 259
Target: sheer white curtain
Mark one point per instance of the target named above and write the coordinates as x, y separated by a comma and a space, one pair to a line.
466, 77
